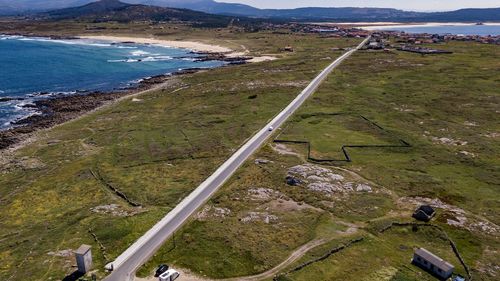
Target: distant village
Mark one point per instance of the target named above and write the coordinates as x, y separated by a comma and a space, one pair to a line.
402, 37
384, 40
402, 41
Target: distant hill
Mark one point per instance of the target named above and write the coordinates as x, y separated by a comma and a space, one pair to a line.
300, 14
328, 14
471, 15
9, 7
207, 6
108, 8
114, 10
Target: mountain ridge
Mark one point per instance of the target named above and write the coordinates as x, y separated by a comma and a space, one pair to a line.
299, 14
115, 10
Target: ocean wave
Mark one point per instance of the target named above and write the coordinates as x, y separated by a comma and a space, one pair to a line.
24, 106
139, 53
145, 59
158, 58
50, 94
125, 47
125, 60
67, 42
78, 42
86, 42
19, 117
9, 37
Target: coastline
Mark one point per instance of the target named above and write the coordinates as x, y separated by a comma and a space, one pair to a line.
61, 109
208, 50
191, 45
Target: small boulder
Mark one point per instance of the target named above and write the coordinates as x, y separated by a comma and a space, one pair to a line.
262, 161
292, 181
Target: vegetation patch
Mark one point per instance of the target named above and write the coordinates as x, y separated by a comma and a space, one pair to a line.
368, 135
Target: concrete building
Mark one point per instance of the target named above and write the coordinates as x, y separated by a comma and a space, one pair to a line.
433, 264
84, 258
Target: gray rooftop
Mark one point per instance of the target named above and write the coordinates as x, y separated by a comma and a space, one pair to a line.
433, 259
83, 249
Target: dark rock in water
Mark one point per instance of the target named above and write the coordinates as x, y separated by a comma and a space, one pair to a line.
187, 71
219, 56
153, 80
292, 181
237, 62
62, 37
6, 99
237, 59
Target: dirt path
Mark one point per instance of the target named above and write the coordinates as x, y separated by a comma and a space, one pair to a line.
296, 255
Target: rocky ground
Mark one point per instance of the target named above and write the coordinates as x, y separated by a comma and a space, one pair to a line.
324, 180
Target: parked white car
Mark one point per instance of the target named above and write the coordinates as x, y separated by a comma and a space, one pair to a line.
270, 129
169, 275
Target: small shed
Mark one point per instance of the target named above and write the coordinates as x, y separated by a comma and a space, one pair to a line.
432, 263
424, 213
84, 258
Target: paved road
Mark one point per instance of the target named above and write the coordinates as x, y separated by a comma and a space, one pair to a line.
125, 266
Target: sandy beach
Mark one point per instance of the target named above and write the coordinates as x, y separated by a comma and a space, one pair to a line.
191, 45
195, 46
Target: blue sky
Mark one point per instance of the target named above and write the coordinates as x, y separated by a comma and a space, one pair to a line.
418, 5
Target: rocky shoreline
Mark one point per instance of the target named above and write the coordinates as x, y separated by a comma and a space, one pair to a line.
57, 110
232, 60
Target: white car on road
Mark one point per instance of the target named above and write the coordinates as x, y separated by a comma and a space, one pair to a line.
169, 275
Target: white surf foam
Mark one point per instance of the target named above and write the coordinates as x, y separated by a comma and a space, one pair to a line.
158, 58
139, 53
9, 37
125, 47
20, 106
144, 59
61, 41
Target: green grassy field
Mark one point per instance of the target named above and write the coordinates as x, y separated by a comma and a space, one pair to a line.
155, 152
445, 106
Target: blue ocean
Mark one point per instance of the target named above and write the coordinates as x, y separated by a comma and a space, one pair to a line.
36, 68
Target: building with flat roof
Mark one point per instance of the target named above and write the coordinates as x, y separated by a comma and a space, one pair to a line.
432, 263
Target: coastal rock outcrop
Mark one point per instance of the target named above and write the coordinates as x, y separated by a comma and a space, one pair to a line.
324, 180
